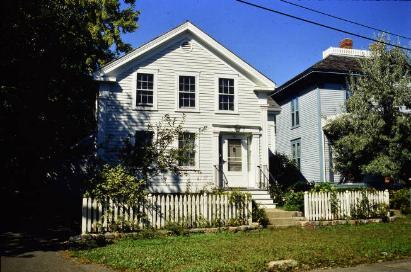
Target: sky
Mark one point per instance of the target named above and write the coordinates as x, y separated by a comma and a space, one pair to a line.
278, 46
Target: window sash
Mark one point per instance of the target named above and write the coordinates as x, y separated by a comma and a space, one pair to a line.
187, 91
226, 96
186, 140
295, 112
296, 152
143, 138
145, 89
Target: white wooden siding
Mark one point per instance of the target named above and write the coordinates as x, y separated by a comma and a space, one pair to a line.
332, 103
307, 131
123, 120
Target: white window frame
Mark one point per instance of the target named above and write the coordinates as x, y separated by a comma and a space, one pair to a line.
154, 72
196, 75
298, 156
294, 113
217, 94
196, 165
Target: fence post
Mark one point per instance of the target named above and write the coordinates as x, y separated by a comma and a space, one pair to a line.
306, 204
387, 201
84, 216
250, 210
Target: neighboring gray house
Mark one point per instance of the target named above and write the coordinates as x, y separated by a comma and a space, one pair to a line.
185, 71
307, 101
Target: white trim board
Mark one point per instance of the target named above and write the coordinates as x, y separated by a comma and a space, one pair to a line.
260, 80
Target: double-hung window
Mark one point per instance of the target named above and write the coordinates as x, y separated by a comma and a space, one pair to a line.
226, 94
186, 92
145, 90
296, 152
295, 113
186, 144
143, 138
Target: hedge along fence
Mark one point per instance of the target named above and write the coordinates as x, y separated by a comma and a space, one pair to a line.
345, 205
159, 210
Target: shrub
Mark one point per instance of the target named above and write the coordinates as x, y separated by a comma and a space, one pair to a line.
259, 215
323, 187
176, 228
294, 201
401, 200
117, 183
285, 176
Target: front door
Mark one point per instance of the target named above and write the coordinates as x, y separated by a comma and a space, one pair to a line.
234, 160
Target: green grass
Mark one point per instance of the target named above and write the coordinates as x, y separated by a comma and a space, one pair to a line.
342, 245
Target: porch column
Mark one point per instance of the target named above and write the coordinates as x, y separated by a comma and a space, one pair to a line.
215, 157
264, 135
255, 159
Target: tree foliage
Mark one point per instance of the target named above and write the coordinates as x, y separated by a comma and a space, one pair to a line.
47, 95
374, 137
143, 159
161, 153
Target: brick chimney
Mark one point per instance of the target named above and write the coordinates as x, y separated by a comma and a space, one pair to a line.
346, 43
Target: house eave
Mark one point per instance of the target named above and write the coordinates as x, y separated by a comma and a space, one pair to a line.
224, 53
104, 78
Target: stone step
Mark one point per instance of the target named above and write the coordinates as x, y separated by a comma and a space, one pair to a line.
282, 214
281, 226
283, 221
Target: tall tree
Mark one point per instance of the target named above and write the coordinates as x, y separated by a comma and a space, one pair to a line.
374, 137
49, 48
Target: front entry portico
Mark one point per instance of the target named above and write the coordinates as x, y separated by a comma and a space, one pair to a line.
237, 156
234, 159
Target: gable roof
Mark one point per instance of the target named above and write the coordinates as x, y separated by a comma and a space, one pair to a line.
333, 68
263, 83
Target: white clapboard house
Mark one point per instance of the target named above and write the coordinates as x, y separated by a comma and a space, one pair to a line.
185, 71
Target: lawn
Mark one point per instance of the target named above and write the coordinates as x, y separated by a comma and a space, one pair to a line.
343, 245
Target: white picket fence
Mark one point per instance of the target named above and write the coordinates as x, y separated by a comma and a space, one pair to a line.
317, 205
161, 209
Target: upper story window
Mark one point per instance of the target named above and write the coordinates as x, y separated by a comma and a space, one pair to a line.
296, 152
186, 92
226, 94
186, 144
295, 113
145, 90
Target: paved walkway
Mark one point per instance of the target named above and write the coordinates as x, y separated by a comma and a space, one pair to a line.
23, 253
392, 266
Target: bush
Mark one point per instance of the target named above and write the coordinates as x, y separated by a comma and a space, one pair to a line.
177, 228
294, 201
117, 183
285, 176
323, 187
259, 215
400, 200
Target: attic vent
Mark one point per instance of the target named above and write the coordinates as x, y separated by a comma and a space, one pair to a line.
186, 46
